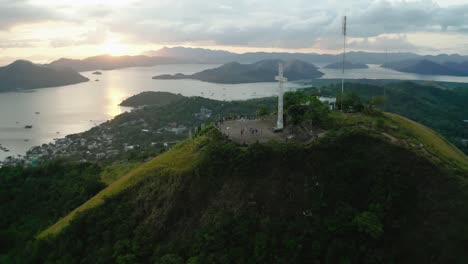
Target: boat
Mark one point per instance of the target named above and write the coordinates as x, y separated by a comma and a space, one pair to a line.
37, 113
28, 126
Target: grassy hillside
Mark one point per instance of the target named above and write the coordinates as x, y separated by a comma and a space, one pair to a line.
362, 194
432, 140
178, 161
436, 107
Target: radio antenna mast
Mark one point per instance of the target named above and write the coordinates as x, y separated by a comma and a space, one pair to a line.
344, 58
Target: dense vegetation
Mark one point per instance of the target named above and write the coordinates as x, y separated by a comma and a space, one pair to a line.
352, 197
151, 98
440, 109
33, 198
376, 188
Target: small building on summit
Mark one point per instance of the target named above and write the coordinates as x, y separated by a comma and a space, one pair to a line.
331, 101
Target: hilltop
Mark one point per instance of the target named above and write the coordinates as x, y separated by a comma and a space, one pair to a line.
24, 75
371, 189
440, 107
262, 71
356, 186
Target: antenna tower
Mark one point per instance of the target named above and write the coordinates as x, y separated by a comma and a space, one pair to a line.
344, 25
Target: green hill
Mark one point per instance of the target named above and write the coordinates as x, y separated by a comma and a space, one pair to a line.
375, 189
24, 75
442, 109
151, 98
261, 71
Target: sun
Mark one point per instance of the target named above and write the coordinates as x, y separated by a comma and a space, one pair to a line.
113, 47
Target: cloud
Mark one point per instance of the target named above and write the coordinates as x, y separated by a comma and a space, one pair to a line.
98, 35
18, 12
392, 43
286, 24
22, 43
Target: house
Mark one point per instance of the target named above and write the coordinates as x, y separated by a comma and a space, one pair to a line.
176, 130
331, 101
204, 113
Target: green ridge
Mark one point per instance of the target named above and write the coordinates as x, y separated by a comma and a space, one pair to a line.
179, 160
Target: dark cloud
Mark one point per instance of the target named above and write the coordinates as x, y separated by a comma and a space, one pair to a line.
16, 12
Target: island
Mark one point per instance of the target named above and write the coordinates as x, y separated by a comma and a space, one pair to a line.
262, 71
428, 67
97, 73
151, 98
347, 65
25, 75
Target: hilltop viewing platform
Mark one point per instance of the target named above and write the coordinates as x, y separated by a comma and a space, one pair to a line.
247, 131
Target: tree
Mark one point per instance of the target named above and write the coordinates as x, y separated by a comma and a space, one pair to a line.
301, 106
262, 110
349, 102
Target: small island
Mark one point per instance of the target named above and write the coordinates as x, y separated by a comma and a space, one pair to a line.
151, 98
347, 65
97, 73
262, 71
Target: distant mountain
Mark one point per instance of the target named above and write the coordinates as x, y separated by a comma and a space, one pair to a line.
461, 67
107, 62
151, 98
262, 71
24, 75
347, 65
196, 55
428, 67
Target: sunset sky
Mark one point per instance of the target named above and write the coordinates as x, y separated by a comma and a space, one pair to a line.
44, 30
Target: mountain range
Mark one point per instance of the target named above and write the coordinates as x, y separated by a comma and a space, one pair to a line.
262, 71
25, 75
219, 56
198, 55
429, 67
107, 62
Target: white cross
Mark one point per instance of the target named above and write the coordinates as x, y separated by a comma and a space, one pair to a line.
281, 80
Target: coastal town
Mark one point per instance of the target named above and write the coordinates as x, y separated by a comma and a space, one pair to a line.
115, 140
